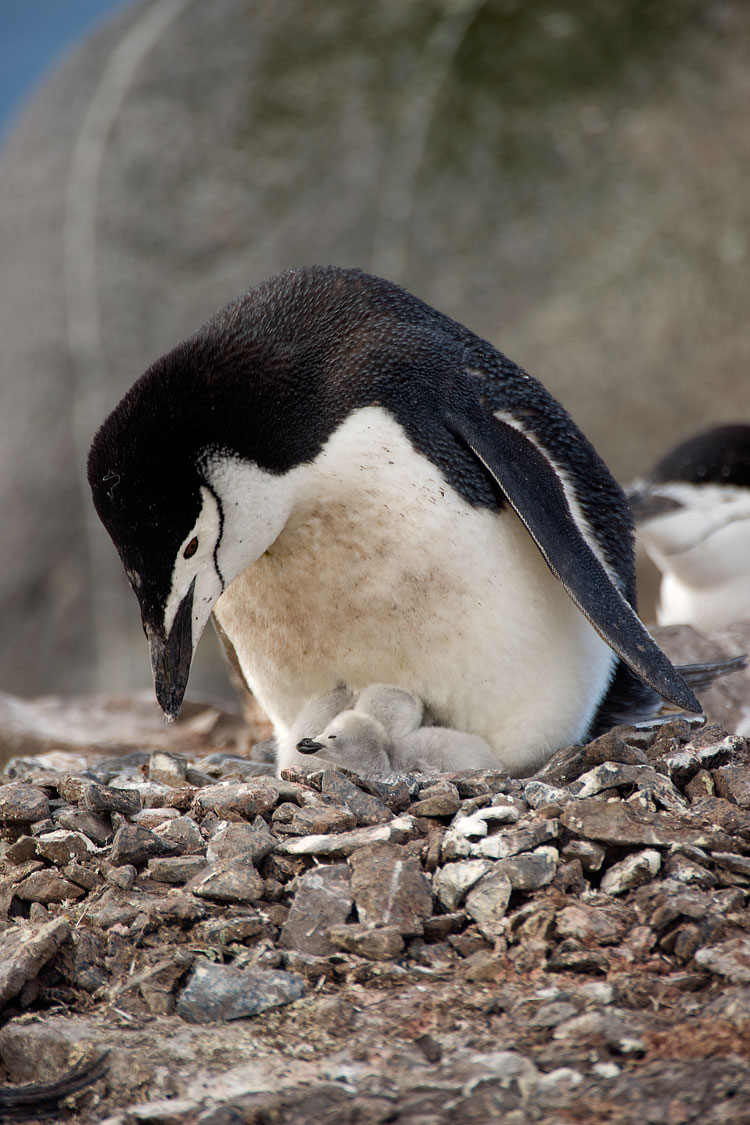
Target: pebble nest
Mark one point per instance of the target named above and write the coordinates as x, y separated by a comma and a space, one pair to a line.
321, 947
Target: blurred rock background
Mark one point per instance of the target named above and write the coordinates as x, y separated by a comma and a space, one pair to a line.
568, 180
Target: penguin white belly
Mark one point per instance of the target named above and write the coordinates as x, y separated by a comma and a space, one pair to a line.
385, 574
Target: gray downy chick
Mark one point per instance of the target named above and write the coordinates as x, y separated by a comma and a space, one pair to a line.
382, 735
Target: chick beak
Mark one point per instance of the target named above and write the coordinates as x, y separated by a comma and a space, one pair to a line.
171, 657
309, 746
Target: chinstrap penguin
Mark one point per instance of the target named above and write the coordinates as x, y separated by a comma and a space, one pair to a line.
693, 517
383, 734
329, 449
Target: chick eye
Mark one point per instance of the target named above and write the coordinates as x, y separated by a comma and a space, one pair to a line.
331, 735
191, 548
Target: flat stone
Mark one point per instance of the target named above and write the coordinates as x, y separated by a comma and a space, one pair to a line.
21, 803
97, 828
233, 879
718, 813
488, 899
611, 747
230, 930
123, 876
323, 899
396, 794
578, 961
222, 992
618, 775
686, 870
175, 868
730, 861
99, 799
232, 800
169, 769
63, 846
733, 784
390, 888
136, 845
441, 799
589, 925
476, 825
321, 819
123, 907
153, 794
630, 872
729, 959
590, 855
47, 886
22, 850
700, 786
376, 943
552, 1014
81, 875
439, 926
184, 832
398, 831
155, 817
254, 840
24, 950
452, 881
504, 844
538, 794
531, 870
366, 808
616, 822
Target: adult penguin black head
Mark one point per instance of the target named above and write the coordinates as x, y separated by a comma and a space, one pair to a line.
364, 491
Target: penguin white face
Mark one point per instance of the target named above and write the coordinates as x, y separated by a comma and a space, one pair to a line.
242, 511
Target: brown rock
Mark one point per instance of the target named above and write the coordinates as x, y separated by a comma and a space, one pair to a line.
103, 799
22, 803
24, 951
390, 888
47, 886
441, 799
322, 819
366, 808
175, 868
233, 879
235, 800
617, 822
488, 900
136, 845
254, 841
733, 783
23, 850
611, 747
323, 899
377, 943
398, 831
590, 925
63, 846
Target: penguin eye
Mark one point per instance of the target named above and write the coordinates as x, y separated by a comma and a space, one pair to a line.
191, 548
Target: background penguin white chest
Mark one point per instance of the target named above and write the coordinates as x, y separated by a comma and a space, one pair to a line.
383, 573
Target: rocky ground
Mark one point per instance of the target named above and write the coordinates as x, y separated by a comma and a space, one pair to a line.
186, 938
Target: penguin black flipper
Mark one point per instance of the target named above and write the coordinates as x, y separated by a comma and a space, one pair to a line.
535, 489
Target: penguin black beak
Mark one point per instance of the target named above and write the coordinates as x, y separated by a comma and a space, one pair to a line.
171, 657
309, 746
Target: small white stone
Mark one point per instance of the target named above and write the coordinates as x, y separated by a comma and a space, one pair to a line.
606, 1069
631, 872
